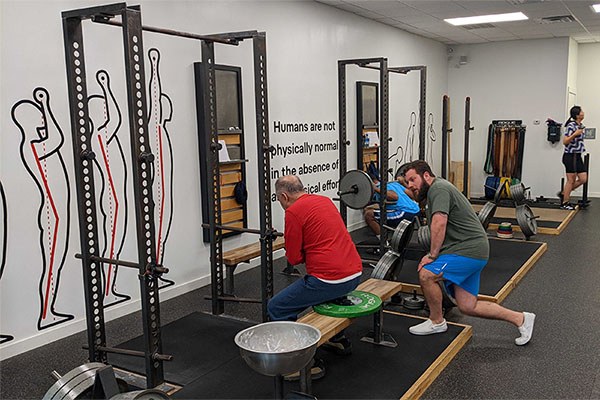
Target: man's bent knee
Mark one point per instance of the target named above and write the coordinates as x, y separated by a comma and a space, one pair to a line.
426, 276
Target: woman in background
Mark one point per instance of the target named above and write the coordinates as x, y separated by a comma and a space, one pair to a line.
572, 160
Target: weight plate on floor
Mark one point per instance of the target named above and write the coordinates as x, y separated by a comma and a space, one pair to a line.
487, 213
526, 219
424, 237
388, 266
517, 192
401, 236
356, 189
74, 383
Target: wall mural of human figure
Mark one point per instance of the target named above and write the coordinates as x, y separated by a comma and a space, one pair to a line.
160, 113
40, 151
111, 177
3, 245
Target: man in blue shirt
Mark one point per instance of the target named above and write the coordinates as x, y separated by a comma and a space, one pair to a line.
399, 205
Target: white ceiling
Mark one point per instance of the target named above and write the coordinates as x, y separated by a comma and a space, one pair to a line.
426, 18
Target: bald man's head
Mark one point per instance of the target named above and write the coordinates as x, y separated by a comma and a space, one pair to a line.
289, 184
288, 189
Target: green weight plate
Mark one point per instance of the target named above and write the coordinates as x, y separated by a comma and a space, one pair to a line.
364, 303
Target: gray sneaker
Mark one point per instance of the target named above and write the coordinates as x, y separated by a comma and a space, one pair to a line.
526, 330
428, 328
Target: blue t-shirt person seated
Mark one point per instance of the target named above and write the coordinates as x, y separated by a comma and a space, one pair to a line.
398, 204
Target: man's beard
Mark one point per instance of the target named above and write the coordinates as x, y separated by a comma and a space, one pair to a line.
423, 190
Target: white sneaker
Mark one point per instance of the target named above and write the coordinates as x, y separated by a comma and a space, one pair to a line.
428, 328
526, 329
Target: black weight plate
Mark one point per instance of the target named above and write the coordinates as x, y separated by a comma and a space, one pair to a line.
487, 213
526, 220
517, 192
388, 266
401, 236
424, 237
356, 189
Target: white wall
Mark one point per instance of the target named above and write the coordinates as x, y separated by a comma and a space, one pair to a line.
588, 97
525, 80
304, 42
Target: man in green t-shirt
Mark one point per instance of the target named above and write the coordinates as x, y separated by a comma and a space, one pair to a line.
459, 251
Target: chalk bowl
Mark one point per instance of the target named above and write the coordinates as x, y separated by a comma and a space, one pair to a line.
278, 348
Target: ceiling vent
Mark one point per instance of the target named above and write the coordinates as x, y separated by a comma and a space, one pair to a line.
478, 26
557, 19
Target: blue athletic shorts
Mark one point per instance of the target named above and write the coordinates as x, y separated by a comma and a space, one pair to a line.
394, 217
458, 270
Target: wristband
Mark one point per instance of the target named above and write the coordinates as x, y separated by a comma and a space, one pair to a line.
431, 257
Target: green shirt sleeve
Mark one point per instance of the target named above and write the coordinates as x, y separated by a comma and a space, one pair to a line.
440, 201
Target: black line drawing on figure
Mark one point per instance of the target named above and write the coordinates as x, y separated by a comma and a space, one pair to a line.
3, 246
40, 151
111, 171
159, 114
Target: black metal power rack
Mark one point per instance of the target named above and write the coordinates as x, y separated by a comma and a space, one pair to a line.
380, 64
149, 270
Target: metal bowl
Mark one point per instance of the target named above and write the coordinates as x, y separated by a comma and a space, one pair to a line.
278, 348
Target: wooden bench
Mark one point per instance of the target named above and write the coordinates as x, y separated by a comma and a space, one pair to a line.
331, 326
243, 254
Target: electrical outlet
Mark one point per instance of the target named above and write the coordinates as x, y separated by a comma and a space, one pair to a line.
536, 122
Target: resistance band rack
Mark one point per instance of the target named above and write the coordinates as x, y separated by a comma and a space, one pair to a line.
149, 270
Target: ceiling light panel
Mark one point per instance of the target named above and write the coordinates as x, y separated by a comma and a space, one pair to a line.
482, 19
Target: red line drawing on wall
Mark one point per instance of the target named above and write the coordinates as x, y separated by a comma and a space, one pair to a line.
111, 171
161, 113
40, 151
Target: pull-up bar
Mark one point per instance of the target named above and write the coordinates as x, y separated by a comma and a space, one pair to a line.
228, 38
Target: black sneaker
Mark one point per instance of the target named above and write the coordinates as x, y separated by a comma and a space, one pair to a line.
567, 206
317, 371
341, 346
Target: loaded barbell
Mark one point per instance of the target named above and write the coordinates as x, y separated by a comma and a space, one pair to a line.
526, 220
356, 189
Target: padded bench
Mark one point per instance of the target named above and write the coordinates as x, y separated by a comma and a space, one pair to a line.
244, 254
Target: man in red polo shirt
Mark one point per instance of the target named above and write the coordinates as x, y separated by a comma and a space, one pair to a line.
315, 235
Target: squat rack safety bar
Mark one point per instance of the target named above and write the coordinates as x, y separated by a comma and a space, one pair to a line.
383, 133
141, 164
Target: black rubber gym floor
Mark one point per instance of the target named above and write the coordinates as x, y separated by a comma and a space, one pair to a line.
561, 361
208, 365
506, 259
540, 222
